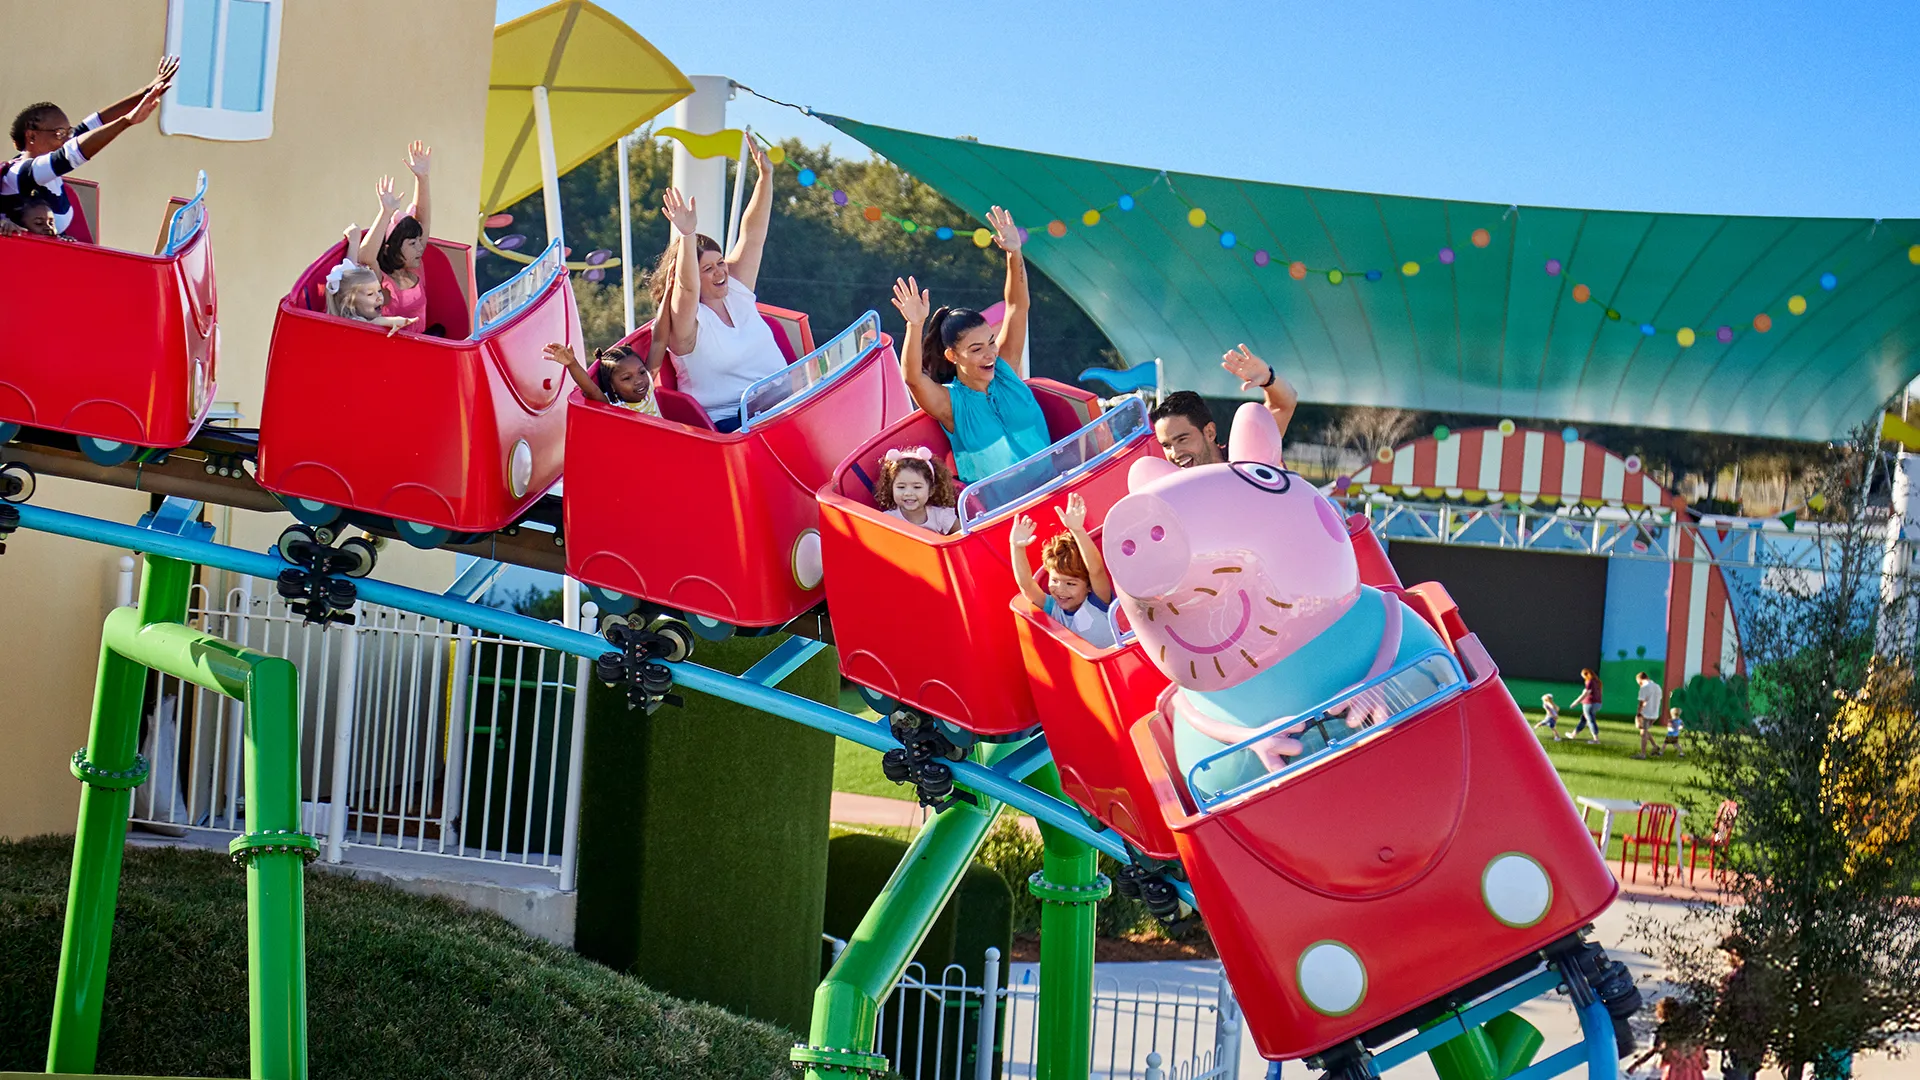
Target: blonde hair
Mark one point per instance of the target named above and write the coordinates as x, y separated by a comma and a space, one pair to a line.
351, 278
660, 282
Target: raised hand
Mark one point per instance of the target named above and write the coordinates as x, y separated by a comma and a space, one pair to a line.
148, 103
559, 354
761, 165
389, 198
1074, 514
680, 212
1005, 232
1252, 371
1023, 531
163, 76
419, 157
914, 303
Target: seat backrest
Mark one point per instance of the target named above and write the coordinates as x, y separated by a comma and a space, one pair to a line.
1655, 822
1723, 822
446, 294
85, 197
681, 408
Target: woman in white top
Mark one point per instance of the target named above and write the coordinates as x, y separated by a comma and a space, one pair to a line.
705, 320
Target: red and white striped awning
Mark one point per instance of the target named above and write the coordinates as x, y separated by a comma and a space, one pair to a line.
1482, 464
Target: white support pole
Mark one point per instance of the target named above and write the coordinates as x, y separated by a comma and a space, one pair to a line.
985, 1039
236, 627
1895, 636
454, 790
704, 180
1226, 1032
549, 166
123, 583
569, 602
576, 758
346, 690
626, 234
739, 189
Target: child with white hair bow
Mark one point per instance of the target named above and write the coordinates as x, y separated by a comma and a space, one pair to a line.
354, 292
917, 488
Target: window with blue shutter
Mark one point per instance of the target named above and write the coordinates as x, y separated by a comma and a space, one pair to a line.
229, 53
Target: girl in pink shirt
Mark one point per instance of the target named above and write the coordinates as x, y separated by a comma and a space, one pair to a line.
396, 244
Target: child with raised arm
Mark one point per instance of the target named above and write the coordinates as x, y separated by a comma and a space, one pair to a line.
1079, 590
398, 241
916, 487
619, 377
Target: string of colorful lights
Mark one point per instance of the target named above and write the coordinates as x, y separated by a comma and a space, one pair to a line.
1480, 238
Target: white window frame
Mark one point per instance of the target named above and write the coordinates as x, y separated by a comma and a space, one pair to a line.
217, 123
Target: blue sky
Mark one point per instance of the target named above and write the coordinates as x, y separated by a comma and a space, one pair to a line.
1755, 108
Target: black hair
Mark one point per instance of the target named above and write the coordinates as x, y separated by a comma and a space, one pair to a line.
30, 117
605, 361
1183, 403
407, 228
943, 330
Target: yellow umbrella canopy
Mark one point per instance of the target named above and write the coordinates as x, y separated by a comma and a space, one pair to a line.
602, 79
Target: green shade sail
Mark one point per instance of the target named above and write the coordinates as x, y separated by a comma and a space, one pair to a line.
1544, 315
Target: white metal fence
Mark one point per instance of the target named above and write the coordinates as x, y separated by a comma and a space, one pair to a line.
455, 743
950, 1029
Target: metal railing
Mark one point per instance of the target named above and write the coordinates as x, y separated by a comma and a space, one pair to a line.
416, 735
950, 1029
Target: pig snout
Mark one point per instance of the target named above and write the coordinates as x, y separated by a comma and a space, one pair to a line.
1145, 547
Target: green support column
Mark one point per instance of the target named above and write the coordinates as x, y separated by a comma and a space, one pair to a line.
273, 850
1069, 887
110, 768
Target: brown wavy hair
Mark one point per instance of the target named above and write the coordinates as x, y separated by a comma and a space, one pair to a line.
939, 479
1061, 555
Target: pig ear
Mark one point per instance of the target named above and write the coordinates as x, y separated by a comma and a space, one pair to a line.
1146, 470
1256, 435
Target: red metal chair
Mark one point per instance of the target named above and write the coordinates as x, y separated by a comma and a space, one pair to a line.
1718, 839
1652, 830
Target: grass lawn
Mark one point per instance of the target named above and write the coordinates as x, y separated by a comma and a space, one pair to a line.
398, 985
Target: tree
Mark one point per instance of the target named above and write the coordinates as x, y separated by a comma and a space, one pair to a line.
1366, 429
1826, 855
826, 260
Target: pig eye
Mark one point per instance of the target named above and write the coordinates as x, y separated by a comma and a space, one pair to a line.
1265, 477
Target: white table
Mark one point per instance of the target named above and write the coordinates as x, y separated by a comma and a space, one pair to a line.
1610, 807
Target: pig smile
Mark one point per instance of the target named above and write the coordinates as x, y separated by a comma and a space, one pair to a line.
1246, 618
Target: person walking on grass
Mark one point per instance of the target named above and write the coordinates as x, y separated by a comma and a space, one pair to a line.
1589, 702
1647, 714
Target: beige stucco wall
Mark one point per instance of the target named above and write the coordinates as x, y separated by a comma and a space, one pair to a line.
357, 80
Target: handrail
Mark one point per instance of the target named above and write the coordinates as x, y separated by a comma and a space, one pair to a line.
1457, 684
823, 367
1133, 411
512, 296
187, 220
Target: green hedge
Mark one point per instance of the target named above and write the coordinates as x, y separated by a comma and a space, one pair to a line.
398, 985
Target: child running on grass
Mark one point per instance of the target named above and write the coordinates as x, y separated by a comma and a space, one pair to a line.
916, 487
1079, 590
1674, 728
1550, 717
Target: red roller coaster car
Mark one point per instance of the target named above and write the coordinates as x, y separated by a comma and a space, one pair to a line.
920, 618
726, 528
442, 436
1391, 865
130, 366
1088, 698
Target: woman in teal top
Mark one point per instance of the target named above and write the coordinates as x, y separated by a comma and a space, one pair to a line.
964, 376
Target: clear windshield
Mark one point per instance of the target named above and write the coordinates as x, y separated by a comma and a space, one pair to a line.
797, 381
1107, 435
1380, 703
507, 298
187, 219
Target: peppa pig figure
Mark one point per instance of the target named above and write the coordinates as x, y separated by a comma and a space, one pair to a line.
1240, 581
